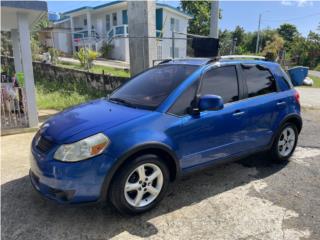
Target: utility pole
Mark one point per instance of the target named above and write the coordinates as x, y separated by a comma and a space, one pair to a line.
214, 20
141, 27
173, 44
258, 34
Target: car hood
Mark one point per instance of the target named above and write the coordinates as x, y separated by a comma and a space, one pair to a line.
97, 115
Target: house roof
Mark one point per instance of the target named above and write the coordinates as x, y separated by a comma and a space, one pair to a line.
9, 9
161, 5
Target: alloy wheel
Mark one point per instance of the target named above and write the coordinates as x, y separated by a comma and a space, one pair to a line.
143, 185
286, 141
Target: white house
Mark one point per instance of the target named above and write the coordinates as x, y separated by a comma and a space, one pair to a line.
91, 26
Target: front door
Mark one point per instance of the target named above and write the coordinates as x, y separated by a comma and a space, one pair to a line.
214, 135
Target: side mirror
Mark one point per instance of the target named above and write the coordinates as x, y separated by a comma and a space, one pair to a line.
210, 103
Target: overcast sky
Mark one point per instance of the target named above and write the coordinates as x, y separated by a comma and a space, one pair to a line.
303, 13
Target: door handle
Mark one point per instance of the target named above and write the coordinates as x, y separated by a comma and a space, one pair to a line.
281, 103
238, 113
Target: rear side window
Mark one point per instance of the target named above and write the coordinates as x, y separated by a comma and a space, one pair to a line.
284, 78
222, 81
259, 81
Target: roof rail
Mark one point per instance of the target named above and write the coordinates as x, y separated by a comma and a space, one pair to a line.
243, 57
161, 61
213, 59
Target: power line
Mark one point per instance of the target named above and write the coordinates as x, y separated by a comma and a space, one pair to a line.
291, 19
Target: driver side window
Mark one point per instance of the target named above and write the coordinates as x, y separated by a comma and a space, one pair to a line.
222, 81
184, 100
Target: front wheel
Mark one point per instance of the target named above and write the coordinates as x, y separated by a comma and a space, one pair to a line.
285, 143
140, 184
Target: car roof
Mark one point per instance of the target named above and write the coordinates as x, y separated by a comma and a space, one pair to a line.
205, 61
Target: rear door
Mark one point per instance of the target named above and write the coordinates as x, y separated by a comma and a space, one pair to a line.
261, 102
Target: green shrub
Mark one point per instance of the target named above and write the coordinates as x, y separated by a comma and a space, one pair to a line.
317, 68
106, 49
54, 53
86, 57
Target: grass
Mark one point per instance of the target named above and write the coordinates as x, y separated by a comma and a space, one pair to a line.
316, 81
53, 96
97, 69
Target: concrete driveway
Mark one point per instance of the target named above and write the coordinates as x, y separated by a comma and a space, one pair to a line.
310, 97
249, 199
106, 62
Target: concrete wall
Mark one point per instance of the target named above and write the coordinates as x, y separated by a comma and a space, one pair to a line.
99, 82
64, 41
120, 49
49, 73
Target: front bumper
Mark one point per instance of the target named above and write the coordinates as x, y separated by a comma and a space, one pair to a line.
63, 182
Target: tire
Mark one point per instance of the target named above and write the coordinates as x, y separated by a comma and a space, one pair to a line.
129, 185
285, 143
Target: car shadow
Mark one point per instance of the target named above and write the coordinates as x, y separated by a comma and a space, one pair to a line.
27, 215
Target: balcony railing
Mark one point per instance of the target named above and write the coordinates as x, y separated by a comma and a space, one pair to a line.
116, 31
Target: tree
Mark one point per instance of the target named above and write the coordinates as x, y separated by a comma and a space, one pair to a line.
200, 10
273, 47
6, 46
225, 42
288, 32
267, 35
306, 51
238, 34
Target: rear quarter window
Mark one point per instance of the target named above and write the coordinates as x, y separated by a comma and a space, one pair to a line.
259, 81
283, 79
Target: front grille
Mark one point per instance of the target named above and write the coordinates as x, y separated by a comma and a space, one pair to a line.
43, 144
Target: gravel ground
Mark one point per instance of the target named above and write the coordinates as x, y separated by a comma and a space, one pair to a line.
249, 199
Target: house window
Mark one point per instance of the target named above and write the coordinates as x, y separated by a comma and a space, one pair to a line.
174, 24
124, 17
114, 19
85, 22
108, 26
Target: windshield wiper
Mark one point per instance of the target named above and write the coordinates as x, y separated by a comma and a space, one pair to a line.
122, 101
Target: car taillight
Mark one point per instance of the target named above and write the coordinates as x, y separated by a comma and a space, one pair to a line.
297, 96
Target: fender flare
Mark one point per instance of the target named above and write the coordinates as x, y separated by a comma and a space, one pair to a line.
288, 118
120, 160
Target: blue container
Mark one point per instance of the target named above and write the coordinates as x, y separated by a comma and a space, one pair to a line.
298, 74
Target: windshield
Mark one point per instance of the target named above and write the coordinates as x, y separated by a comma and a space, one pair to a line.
150, 88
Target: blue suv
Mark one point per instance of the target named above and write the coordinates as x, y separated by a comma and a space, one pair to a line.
178, 117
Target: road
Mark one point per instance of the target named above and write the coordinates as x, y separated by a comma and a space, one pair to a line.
314, 73
249, 199
310, 97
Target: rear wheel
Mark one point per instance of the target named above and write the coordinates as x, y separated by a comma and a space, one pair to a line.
140, 184
285, 142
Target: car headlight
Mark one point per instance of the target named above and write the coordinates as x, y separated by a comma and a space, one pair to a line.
83, 149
